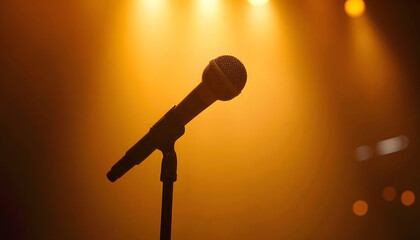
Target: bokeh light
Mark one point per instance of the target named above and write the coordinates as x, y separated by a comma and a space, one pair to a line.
389, 193
363, 153
392, 145
407, 198
354, 8
360, 207
258, 2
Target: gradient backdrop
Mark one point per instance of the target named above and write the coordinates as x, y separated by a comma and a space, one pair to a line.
82, 81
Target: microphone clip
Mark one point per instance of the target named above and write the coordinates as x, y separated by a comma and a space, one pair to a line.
165, 132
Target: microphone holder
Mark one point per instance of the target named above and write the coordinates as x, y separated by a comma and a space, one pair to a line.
165, 132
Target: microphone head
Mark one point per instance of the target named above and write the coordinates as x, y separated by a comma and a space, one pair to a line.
225, 77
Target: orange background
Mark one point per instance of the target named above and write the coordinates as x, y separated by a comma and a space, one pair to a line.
83, 81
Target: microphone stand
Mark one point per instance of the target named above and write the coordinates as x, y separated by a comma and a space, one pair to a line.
166, 135
168, 177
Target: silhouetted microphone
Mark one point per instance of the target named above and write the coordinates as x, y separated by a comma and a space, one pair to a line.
223, 79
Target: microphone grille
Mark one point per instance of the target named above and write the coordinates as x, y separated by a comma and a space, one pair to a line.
233, 69
232, 81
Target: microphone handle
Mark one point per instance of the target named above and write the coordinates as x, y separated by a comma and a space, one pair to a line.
134, 156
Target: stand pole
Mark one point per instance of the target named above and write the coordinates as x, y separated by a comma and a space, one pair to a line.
168, 177
165, 132
166, 217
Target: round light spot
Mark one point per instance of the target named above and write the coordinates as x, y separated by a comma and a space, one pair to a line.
407, 198
360, 207
389, 193
354, 8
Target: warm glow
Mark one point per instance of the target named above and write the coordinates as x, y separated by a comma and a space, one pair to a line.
317, 126
389, 193
258, 2
360, 207
407, 198
354, 8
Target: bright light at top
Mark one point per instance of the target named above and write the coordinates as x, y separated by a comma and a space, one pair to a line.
354, 8
258, 2
208, 5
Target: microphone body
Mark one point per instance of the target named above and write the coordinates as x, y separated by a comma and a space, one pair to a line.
222, 79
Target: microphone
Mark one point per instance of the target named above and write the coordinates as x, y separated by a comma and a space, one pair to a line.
222, 79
